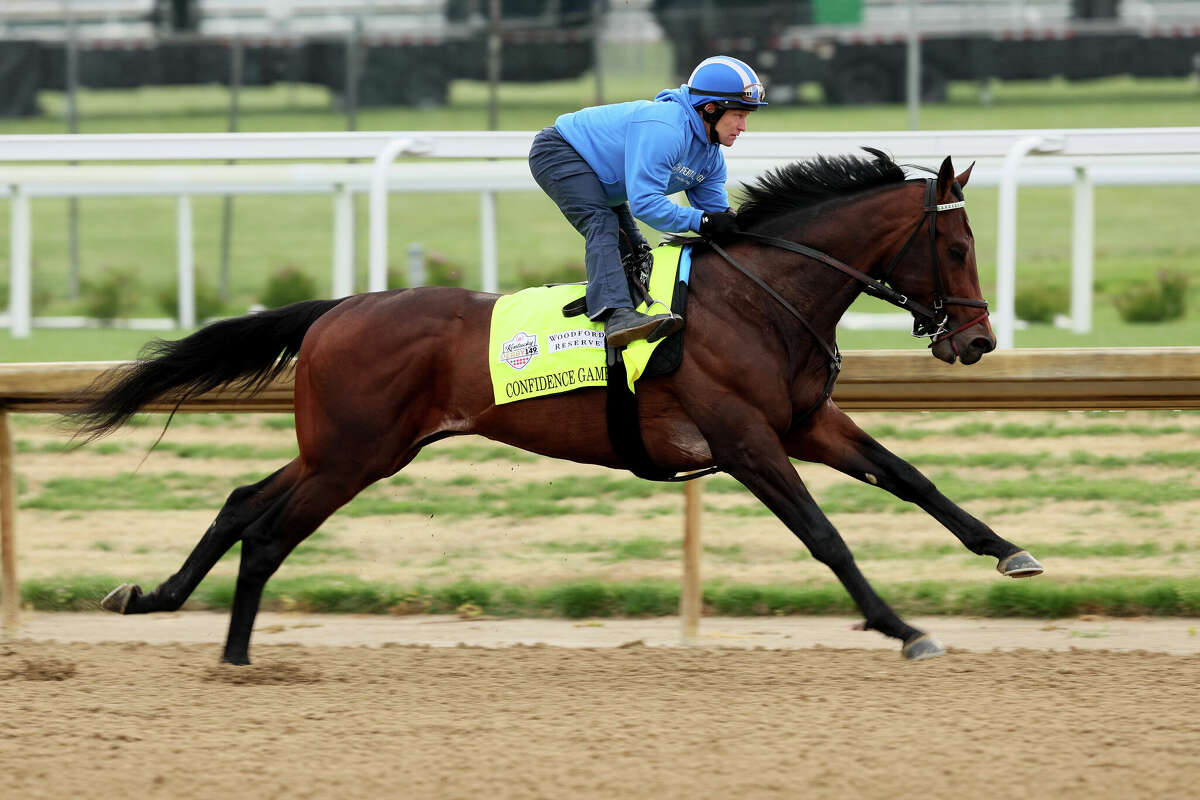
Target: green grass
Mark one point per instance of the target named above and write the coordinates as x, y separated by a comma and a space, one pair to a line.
1038, 598
1047, 479
1139, 231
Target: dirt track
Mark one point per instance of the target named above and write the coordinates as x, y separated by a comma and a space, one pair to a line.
729, 719
100, 706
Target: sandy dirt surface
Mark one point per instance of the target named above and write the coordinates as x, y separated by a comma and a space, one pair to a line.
601, 720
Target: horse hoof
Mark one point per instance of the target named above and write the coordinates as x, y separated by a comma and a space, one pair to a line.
1020, 565
118, 599
922, 647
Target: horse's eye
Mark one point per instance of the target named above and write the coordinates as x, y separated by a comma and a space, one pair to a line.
957, 253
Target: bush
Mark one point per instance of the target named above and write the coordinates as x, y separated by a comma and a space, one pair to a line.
287, 285
1154, 301
208, 303
111, 295
440, 271
396, 278
1041, 303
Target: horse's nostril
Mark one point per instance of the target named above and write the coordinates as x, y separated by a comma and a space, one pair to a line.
983, 344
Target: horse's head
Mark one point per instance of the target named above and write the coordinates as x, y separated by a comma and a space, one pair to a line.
936, 266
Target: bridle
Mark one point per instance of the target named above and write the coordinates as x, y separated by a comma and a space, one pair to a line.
933, 324
928, 321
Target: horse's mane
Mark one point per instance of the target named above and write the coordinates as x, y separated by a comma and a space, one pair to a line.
807, 183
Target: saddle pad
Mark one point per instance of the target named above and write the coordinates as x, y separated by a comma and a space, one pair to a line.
533, 350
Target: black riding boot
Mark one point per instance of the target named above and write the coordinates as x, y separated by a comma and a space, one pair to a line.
624, 325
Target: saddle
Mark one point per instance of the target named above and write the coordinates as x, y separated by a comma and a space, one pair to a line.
621, 407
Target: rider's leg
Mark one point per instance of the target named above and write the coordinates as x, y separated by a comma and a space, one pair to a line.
632, 240
576, 190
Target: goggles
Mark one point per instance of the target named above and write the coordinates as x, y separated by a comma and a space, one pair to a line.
752, 93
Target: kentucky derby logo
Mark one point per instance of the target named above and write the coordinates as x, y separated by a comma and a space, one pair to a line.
519, 350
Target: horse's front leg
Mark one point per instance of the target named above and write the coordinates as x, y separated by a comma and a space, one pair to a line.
830, 437
755, 456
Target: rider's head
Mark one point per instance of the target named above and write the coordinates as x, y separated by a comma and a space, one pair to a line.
721, 83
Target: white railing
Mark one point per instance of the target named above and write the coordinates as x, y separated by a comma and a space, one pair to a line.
1079, 158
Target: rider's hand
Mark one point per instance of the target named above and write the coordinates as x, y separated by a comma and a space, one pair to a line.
718, 223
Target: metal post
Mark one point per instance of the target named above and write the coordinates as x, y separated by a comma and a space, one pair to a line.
913, 71
493, 64
597, 48
353, 43
10, 589
416, 264
690, 594
236, 61
487, 230
185, 263
20, 315
73, 282
343, 242
1083, 248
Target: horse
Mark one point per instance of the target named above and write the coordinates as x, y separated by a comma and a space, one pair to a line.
380, 375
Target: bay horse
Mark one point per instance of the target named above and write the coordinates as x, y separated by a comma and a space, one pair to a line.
378, 376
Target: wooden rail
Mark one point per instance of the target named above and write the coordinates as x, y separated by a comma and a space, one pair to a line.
879, 380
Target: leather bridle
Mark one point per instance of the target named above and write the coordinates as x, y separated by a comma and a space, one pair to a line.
928, 321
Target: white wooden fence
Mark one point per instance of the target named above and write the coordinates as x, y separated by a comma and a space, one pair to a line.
1080, 158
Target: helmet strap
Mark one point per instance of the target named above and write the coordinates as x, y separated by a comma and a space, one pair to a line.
711, 117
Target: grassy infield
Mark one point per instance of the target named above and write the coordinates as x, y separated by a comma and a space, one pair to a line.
1138, 233
1040, 477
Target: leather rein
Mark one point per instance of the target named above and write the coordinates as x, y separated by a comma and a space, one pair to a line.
927, 321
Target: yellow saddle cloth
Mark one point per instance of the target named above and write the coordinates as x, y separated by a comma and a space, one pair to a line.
534, 350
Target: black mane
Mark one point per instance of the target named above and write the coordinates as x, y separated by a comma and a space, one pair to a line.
807, 183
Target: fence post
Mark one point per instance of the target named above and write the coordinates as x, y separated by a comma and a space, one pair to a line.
20, 252
416, 264
487, 229
1005, 317
186, 263
343, 242
10, 591
377, 221
1083, 249
690, 595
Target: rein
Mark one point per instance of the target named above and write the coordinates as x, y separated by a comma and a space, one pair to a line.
927, 321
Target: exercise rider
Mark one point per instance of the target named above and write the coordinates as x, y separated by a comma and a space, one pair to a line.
606, 166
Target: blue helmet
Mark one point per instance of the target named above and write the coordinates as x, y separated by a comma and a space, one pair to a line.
726, 81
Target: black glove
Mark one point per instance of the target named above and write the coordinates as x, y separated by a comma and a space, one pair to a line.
718, 223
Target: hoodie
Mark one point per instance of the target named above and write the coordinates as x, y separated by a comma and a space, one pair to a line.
643, 151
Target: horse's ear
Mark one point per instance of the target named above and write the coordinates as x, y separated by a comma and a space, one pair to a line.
945, 177
963, 178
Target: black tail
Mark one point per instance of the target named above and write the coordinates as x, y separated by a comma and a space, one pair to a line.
246, 353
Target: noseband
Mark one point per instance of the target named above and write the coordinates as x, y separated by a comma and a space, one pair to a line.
927, 321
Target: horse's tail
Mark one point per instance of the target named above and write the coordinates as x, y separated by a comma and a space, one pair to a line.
245, 352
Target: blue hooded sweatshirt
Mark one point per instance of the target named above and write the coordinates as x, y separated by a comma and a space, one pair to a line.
643, 151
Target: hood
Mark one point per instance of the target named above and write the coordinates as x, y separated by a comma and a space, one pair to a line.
683, 98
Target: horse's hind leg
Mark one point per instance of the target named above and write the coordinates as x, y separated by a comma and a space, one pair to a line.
832, 438
245, 504
268, 540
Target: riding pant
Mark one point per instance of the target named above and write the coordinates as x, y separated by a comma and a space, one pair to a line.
609, 232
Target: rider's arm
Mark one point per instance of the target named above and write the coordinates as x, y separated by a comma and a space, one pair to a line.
710, 195
652, 150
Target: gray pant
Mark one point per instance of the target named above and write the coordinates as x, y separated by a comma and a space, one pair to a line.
609, 232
